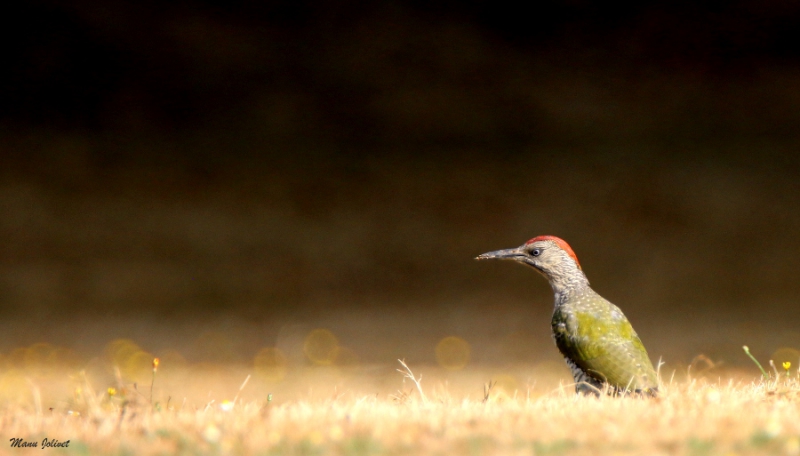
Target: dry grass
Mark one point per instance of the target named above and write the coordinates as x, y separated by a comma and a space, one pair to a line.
207, 409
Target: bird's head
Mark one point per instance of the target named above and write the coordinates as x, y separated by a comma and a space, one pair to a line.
549, 255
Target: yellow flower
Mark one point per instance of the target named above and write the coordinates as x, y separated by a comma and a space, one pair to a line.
112, 391
155, 364
787, 365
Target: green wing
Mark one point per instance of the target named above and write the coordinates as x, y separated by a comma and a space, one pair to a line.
604, 344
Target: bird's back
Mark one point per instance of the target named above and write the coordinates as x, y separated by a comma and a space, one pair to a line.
595, 335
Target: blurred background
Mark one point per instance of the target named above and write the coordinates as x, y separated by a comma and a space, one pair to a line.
217, 179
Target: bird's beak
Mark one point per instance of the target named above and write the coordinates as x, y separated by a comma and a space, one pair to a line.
508, 254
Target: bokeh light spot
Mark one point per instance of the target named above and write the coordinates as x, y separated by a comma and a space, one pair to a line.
38, 354
320, 347
505, 384
452, 353
120, 350
785, 354
270, 364
138, 365
132, 361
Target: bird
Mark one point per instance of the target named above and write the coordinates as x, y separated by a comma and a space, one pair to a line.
599, 344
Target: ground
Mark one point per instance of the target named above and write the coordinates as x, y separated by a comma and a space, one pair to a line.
265, 408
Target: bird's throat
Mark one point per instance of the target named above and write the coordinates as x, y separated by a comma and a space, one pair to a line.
565, 287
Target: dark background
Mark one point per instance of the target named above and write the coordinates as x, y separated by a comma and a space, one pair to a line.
239, 168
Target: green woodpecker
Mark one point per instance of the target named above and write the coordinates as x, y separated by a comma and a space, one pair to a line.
598, 342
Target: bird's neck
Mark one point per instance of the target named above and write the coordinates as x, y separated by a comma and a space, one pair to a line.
567, 283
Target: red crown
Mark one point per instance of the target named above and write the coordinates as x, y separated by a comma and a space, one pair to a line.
559, 242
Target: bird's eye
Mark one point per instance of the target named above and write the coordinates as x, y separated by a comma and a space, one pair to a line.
535, 252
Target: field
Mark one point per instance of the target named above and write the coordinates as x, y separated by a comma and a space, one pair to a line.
225, 226
273, 407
